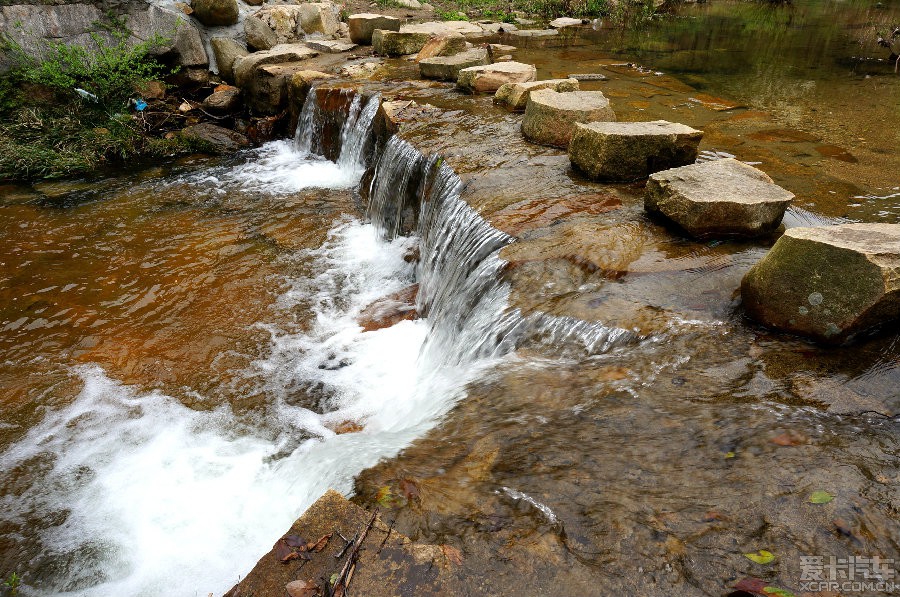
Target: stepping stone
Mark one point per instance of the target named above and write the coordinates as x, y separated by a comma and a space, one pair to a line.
563, 22
718, 198
330, 46
443, 27
831, 284
515, 95
625, 151
447, 68
550, 116
399, 43
489, 78
363, 25
448, 44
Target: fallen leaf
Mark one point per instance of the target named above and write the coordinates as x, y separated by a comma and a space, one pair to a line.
453, 555
284, 552
789, 438
294, 541
776, 592
320, 544
730, 454
712, 515
302, 588
820, 497
761, 557
409, 488
383, 497
758, 586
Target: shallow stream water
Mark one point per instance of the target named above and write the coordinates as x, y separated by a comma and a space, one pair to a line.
183, 373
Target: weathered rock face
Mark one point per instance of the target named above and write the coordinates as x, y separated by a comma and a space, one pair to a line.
398, 43
222, 139
830, 284
515, 95
489, 78
287, 23
227, 51
625, 151
187, 43
330, 46
264, 76
447, 44
447, 68
718, 198
363, 25
215, 12
223, 101
550, 116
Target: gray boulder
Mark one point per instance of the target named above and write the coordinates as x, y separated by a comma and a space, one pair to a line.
550, 116
625, 151
227, 51
214, 13
718, 198
363, 25
831, 283
447, 68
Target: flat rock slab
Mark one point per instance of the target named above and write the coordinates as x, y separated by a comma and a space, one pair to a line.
363, 25
515, 95
831, 283
563, 22
330, 46
489, 78
625, 151
245, 66
550, 116
444, 27
399, 43
387, 560
718, 198
447, 68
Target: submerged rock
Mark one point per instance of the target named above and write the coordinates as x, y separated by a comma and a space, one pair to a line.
227, 51
515, 95
489, 78
550, 116
215, 12
830, 283
718, 198
363, 25
625, 151
223, 140
447, 68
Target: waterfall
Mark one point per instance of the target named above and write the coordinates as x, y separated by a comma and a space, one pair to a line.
461, 287
355, 133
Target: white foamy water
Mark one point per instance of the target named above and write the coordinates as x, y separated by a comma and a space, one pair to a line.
162, 499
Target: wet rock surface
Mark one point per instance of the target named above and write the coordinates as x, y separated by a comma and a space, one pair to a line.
550, 116
489, 78
721, 197
222, 139
626, 151
830, 284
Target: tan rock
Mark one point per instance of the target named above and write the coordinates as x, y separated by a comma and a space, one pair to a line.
550, 116
363, 25
489, 78
718, 198
625, 151
515, 95
397, 43
226, 51
214, 13
447, 44
447, 68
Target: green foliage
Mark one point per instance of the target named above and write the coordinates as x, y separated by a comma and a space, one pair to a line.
109, 71
12, 583
451, 15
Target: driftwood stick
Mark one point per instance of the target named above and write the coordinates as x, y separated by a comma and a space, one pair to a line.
343, 581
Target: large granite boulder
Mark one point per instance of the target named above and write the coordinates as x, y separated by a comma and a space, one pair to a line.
718, 198
625, 151
830, 283
447, 44
447, 68
363, 25
550, 116
515, 95
213, 13
489, 78
186, 43
264, 76
226, 52
288, 23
